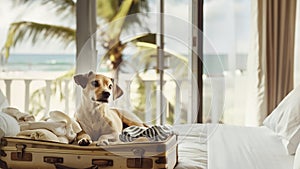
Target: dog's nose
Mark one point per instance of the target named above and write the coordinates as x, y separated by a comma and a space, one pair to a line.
105, 94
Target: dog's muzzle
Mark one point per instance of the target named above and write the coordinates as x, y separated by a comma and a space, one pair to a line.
104, 97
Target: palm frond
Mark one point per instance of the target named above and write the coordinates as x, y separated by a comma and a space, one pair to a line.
113, 10
107, 9
117, 22
138, 7
19, 31
62, 7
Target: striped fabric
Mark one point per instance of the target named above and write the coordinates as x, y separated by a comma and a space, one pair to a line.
154, 133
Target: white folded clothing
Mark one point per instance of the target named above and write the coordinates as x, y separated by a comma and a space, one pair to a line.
39, 134
58, 128
19, 116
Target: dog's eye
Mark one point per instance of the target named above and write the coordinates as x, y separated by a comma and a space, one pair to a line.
95, 83
110, 86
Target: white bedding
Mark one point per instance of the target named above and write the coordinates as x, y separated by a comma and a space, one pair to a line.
237, 147
192, 147
231, 147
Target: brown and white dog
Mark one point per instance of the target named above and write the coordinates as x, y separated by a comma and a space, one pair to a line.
99, 122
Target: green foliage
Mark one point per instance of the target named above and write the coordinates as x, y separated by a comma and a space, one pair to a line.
63, 8
107, 9
137, 95
110, 10
37, 101
19, 31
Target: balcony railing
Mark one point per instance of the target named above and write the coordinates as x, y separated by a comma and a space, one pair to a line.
213, 98
68, 105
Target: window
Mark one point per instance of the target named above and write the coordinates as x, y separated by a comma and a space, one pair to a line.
29, 75
227, 32
224, 61
139, 71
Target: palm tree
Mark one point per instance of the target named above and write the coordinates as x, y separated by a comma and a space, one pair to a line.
115, 14
110, 11
19, 31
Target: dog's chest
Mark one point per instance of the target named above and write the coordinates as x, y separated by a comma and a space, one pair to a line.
97, 122
94, 120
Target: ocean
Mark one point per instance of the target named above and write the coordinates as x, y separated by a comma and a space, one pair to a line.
64, 62
39, 62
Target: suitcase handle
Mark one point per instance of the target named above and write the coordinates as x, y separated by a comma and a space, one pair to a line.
60, 166
96, 163
101, 163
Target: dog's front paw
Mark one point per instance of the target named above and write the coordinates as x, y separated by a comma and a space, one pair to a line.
102, 142
84, 142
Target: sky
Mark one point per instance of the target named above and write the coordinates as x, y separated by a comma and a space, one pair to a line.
226, 31
10, 13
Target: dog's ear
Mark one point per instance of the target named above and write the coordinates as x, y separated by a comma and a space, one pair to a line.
90, 73
118, 92
81, 80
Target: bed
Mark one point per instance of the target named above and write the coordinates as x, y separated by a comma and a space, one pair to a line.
274, 145
225, 146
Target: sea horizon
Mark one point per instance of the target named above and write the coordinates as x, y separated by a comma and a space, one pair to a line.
64, 62
39, 62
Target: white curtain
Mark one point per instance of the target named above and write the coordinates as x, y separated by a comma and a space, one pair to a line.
256, 109
297, 48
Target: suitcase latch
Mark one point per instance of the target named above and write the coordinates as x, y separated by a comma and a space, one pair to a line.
21, 155
138, 152
137, 162
20, 150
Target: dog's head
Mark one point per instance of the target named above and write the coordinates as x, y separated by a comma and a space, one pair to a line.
97, 87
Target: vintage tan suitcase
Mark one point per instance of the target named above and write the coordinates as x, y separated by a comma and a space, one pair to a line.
25, 153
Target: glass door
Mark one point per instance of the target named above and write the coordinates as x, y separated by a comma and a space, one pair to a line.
157, 71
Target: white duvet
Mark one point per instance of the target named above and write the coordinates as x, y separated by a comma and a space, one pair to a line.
237, 147
210, 146
192, 147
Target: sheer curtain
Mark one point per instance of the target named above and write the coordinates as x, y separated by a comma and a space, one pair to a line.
271, 60
297, 49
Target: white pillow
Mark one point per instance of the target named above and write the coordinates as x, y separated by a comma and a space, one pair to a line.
297, 159
285, 120
3, 101
9, 125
